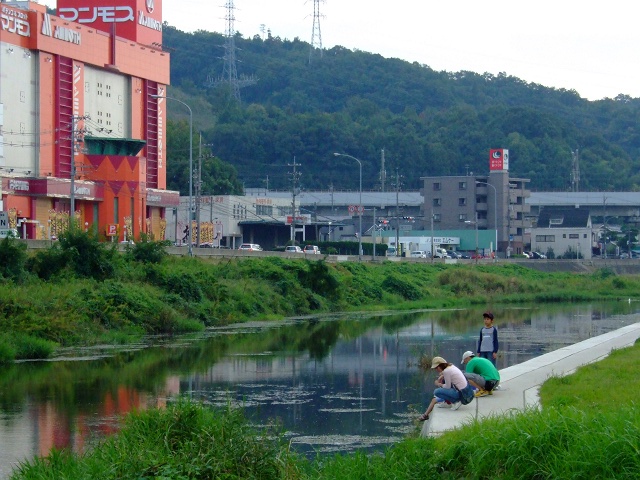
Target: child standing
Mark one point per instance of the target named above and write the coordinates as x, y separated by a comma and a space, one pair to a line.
488, 342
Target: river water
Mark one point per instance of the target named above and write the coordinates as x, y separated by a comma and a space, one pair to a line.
331, 384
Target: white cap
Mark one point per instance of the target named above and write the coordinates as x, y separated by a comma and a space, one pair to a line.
467, 354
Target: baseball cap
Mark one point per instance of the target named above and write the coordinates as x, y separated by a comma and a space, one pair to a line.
467, 354
437, 361
488, 315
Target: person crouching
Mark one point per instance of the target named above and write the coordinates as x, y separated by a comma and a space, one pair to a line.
450, 384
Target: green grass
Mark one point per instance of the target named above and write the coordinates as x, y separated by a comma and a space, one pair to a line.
596, 385
585, 438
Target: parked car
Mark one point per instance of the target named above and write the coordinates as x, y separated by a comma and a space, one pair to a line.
252, 247
456, 255
293, 249
312, 249
418, 254
537, 255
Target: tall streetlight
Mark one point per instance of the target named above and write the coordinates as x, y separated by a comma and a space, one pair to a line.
495, 210
469, 222
190, 165
360, 208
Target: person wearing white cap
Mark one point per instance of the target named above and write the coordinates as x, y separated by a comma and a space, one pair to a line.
451, 386
480, 373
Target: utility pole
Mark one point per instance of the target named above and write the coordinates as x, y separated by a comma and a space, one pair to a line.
294, 183
375, 229
431, 234
383, 172
397, 212
198, 191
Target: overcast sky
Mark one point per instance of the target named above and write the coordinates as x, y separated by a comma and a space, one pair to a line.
588, 46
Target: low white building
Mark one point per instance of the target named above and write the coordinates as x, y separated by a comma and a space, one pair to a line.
565, 230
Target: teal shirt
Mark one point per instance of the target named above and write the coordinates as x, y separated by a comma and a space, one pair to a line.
483, 367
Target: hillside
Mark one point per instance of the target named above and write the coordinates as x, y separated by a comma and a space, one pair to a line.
428, 122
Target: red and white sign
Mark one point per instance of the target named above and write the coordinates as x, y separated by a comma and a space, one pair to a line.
137, 20
356, 209
498, 159
112, 230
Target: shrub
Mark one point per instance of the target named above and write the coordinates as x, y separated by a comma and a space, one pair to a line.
405, 289
147, 251
49, 263
13, 258
7, 350
87, 256
28, 346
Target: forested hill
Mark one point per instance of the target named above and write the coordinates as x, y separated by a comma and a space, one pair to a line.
427, 122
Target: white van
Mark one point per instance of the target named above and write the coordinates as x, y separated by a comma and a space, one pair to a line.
418, 254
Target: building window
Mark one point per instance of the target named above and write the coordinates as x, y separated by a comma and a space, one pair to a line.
545, 238
437, 186
584, 235
574, 236
264, 210
462, 185
462, 202
436, 217
437, 202
462, 217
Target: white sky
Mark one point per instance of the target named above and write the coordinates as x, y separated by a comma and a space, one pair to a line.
588, 46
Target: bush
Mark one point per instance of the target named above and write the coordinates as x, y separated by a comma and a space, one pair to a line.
147, 251
87, 256
7, 351
405, 289
13, 258
30, 347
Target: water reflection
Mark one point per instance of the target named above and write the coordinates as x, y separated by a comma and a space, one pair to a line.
333, 384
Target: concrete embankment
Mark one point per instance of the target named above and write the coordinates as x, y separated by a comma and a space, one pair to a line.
520, 383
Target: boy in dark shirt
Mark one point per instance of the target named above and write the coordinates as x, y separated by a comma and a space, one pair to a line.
488, 342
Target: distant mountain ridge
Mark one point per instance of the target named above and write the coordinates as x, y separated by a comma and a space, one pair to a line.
359, 103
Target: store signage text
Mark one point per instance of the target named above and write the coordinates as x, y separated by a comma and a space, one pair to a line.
118, 14
61, 33
19, 185
149, 22
15, 22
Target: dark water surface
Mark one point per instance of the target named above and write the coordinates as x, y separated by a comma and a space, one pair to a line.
331, 383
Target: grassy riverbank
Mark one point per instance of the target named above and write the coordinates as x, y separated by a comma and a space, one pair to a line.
82, 292
577, 434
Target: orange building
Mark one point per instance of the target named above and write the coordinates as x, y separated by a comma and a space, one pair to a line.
80, 127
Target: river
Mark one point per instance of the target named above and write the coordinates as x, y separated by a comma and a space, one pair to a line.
331, 384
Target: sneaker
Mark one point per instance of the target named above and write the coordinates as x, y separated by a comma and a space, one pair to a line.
481, 393
442, 405
455, 406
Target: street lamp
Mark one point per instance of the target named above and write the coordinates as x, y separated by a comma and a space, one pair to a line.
359, 206
190, 164
471, 222
495, 210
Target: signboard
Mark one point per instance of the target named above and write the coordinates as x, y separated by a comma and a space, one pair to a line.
5, 231
112, 230
356, 209
498, 159
137, 20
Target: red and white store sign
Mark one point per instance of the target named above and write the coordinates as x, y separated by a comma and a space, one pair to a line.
498, 159
137, 20
15, 21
